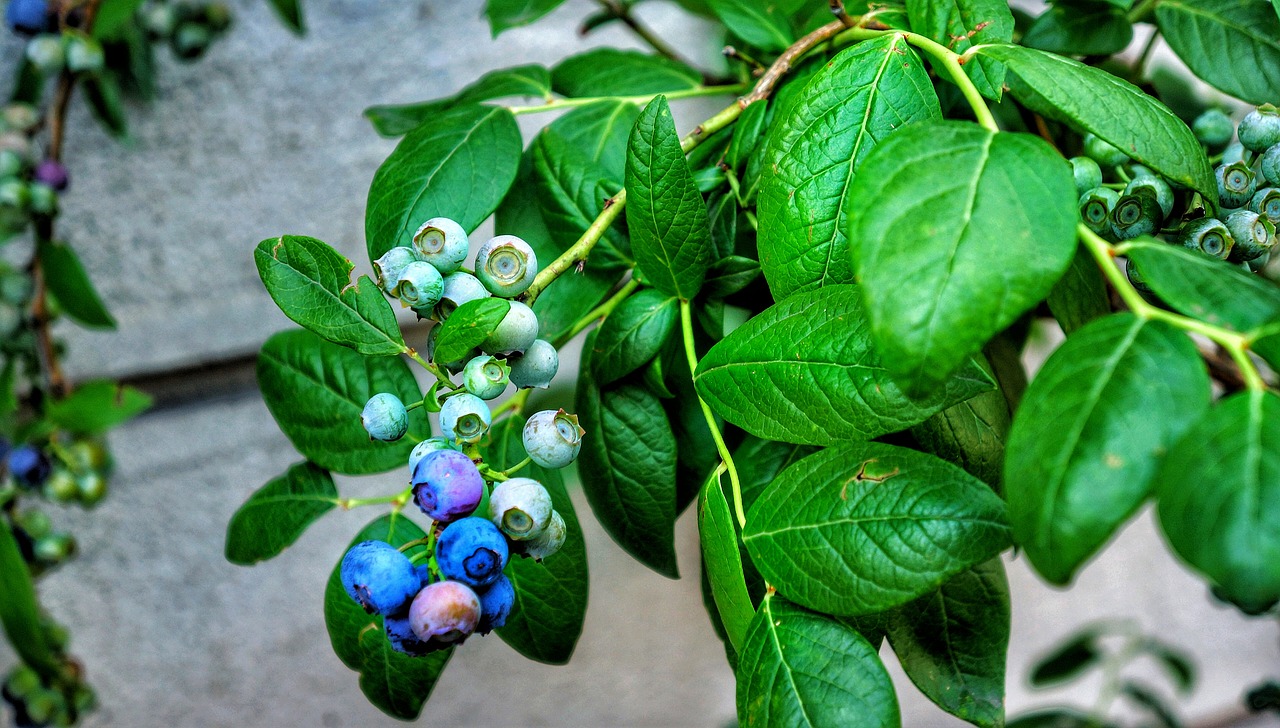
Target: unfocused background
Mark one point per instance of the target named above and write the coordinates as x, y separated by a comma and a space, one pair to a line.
265, 136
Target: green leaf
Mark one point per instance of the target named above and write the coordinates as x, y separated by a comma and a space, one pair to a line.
1058, 718
70, 285
1081, 28
960, 24
945, 200
970, 434
953, 641
317, 390
278, 512
572, 190
1178, 664
859, 528
290, 13
113, 16
395, 683
722, 562
508, 14
551, 596
633, 334
398, 119
613, 72
1080, 295
19, 610
798, 668
1232, 44
670, 231
628, 469
747, 131
765, 24
1205, 288
729, 275
599, 131
102, 91
8, 397
805, 371
97, 406
1218, 492
311, 283
759, 462
1090, 433
1069, 660
811, 153
435, 171
1115, 110
1151, 702
468, 326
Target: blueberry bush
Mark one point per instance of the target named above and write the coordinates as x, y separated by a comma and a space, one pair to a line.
807, 315
53, 446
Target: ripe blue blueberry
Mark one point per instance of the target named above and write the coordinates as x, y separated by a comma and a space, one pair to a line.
1134, 215
388, 268
384, 417
444, 613
506, 265
459, 287
1209, 236
1103, 152
427, 446
473, 551
442, 243
27, 16
1095, 209
515, 333
402, 638
553, 438
496, 601
28, 465
521, 507
465, 417
1157, 187
378, 577
1213, 128
1087, 174
446, 485
1235, 184
1270, 165
486, 377
536, 367
546, 543
1265, 202
1261, 128
1253, 235
420, 287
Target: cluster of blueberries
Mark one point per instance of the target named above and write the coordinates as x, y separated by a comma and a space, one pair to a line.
37, 704
460, 589
1248, 176
78, 474
188, 28
29, 185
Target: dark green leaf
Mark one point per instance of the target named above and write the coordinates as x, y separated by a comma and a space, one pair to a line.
1115, 110
459, 166
1080, 296
1058, 718
762, 23
507, 14
723, 211
1232, 44
8, 397
729, 275
398, 119
28, 85
1151, 701
1216, 493
859, 528
551, 596
959, 24
311, 283
633, 334
670, 231
468, 326
97, 406
396, 684
946, 200
19, 610
722, 562
759, 462
614, 72
1078, 462
102, 91
572, 191
747, 131
278, 512
1177, 664
952, 643
290, 13
970, 434
317, 390
811, 153
600, 131
1205, 288
113, 16
798, 668
70, 285
1069, 660
1081, 28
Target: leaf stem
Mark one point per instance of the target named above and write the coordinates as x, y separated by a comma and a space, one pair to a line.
559, 104
515, 403
597, 313
1143, 9
444, 378
686, 327
622, 11
399, 499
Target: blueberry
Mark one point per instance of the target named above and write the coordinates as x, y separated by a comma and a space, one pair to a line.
93, 487
11, 163
536, 367
387, 269
444, 613
446, 485
1257, 264
159, 20
1271, 165
190, 40
443, 243
1157, 187
27, 16
486, 377
1235, 184
546, 543
464, 417
1136, 280
1253, 235
473, 551
84, 54
553, 438
384, 417
496, 601
1103, 152
521, 507
61, 487
1213, 128
1095, 209
52, 173
402, 638
54, 548
1087, 173
1135, 214
1209, 236
506, 265
1233, 153
379, 578
44, 200
45, 52
1265, 202
427, 446
1261, 128
29, 466
459, 288
515, 333
420, 287
15, 193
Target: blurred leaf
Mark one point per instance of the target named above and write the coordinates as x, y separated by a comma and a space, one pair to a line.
290, 13
1068, 660
508, 14
97, 406
70, 285
19, 610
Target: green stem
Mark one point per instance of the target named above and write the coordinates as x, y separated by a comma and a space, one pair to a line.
517, 466
435, 370
697, 92
399, 499
686, 327
1140, 66
1142, 10
515, 403
597, 313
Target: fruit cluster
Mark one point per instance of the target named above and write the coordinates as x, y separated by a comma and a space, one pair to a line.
71, 472
1143, 203
37, 704
188, 28
29, 186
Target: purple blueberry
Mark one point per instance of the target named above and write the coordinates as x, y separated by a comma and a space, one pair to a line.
426, 447
496, 601
403, 640
444, 613
27, 16
447, 485
52, 173
379, 578
29, 466
472, 551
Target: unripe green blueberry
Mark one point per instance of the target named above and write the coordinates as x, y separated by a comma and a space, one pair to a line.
217, 16
1270, 165
442, 243
1157, 187
426, 447
1235, 184
22, 681
44, 199
1257, 264
84, 54
384, 417
552, 438
1253, 235
93, 488
159, 20
21, 116
190, 40
10, 320
1136, 279
1266, 202
536, 367
1208, 235
546, 543
1134, 215
37, 524
459, 288
515, 333
89, 455
54, 548
388, 268
45, 52
11, 163
1233, 153
465, 418
16, 142
521, 508
506, 265
15, 288
1087, 174
1103, 152
1213, 128
61, 487
486, 377
15, 193
1095, 209
41, 705
420, 287
1261, 128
